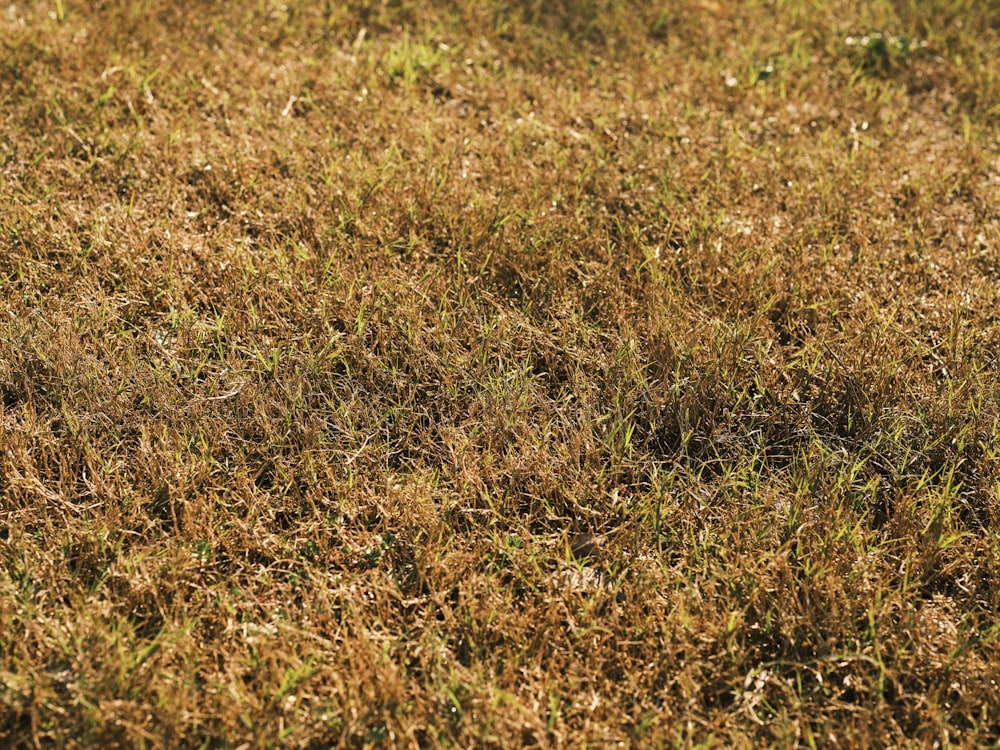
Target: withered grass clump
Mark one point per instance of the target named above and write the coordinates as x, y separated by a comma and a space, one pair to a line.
327, 330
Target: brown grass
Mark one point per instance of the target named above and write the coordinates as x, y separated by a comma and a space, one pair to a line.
325, 330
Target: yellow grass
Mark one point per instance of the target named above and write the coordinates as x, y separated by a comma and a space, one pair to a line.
327, 329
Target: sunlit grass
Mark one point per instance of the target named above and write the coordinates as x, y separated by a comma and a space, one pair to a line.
500, 374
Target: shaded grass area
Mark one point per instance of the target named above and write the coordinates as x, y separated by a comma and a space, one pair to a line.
325, 330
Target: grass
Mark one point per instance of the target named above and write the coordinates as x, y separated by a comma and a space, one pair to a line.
326, 329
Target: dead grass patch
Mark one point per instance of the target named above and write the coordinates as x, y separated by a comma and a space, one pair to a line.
326, 330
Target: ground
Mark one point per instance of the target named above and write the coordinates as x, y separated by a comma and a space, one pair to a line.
329, 330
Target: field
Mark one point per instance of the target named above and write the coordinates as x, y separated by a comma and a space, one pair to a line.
499, 373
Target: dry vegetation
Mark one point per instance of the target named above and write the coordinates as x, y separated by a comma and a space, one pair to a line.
326, 328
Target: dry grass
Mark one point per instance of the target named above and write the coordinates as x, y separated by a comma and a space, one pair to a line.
325, 330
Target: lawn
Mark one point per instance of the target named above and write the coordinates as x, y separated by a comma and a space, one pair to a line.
499, 373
